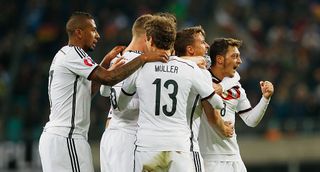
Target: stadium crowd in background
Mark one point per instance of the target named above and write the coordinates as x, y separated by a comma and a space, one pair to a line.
281, 45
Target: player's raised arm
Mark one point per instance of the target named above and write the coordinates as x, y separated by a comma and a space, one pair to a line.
254, 116
105, 63
111, 55
112, 77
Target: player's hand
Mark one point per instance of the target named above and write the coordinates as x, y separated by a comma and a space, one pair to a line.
228, 129
118, 63
114, 52
266, 89
111, 55
199, 60
217, 88
155, 56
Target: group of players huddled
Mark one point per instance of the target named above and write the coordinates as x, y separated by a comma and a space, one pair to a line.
173, 100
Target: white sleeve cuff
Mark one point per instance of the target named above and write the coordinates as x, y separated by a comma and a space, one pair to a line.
105, 90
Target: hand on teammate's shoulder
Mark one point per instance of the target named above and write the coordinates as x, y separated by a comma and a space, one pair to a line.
115, 51
155, 56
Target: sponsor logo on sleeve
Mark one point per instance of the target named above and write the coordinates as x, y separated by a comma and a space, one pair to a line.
88, 61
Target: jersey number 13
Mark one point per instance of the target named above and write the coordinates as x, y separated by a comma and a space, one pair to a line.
172, 96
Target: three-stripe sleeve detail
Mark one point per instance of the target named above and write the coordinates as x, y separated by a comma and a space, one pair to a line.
80, 52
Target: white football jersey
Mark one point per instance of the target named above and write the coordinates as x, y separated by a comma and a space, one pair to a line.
126, 119
163, 90
70, 93
194, 111
212, 143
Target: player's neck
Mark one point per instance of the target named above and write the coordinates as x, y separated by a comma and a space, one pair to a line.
168, 52
155, 49
136, 45
217, 72
73, 42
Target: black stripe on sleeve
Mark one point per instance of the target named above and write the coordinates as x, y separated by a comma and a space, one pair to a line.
74, 98
79, 52
244, 111
83, 52
89, 76
205, 98
191, 120
128, 94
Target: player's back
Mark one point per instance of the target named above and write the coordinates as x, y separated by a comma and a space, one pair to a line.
126, 119
163, 90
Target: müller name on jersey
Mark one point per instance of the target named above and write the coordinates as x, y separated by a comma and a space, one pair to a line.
166, 68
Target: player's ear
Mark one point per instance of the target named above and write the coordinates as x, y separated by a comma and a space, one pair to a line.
190, 50
219, 59
173, 52
145, 37
148, 42
151, 41
78, 33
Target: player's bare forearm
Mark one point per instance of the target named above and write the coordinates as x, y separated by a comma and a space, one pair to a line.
126, 70
215, 120
212, 117
95, 86
217, 88
112, 77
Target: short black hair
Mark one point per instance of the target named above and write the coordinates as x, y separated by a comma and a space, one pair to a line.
76, 21
220, 47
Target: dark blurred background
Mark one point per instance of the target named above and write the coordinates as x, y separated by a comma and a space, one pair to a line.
281, 44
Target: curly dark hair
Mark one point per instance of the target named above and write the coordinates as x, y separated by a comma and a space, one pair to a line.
162, 30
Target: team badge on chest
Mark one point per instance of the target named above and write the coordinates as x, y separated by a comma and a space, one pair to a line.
233, 93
